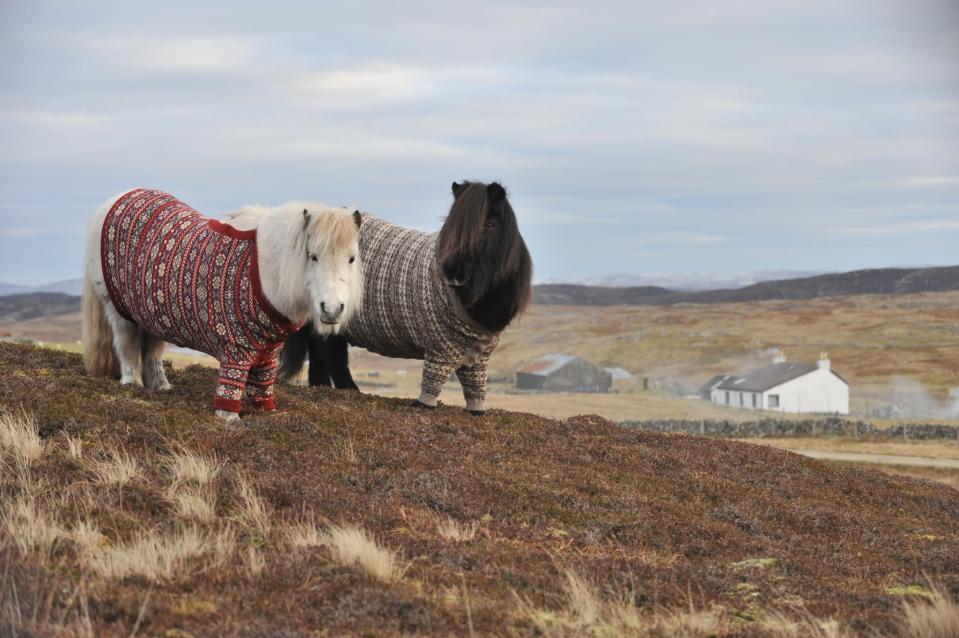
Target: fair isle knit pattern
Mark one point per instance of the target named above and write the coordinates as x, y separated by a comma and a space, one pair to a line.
194, 281
408, 312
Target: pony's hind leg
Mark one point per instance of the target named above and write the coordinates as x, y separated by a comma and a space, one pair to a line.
154, 376
127, 338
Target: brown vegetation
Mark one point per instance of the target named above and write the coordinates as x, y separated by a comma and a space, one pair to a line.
336, 512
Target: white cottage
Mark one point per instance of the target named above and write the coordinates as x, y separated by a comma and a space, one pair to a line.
786, 387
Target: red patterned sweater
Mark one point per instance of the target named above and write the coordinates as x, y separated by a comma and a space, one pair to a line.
194, 281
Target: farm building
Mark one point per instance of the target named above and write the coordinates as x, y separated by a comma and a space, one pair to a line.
706, 390
563, 373
619, 374
786, 387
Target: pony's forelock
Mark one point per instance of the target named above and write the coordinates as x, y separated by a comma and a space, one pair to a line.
462, 234
463, 229
331, 231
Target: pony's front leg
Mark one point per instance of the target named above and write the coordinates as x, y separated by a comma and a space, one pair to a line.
259, 385
229, 390
435, 374
473, 380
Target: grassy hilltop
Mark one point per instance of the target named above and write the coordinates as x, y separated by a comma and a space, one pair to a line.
138, 511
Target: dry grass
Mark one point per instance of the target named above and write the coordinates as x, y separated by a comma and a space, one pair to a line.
779, 625
187, 466
118, 469
156, 556
348, 545
353, 546
87, 537
193, 490
306, 535
74, 447
452, 530
255, 563
32, 530
585, 613
252, 511
194, 501
19, 436
933, 617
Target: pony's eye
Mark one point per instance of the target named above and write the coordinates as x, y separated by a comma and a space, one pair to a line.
312, 257
352, 259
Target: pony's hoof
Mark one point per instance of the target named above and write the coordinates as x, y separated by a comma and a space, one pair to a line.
163, 387
226, 415
416, 403
477, 412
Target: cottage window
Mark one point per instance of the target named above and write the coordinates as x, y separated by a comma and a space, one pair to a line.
754, 399
774, 400
742, 399
727, 398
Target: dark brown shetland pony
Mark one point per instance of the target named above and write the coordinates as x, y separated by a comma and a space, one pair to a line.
478, 259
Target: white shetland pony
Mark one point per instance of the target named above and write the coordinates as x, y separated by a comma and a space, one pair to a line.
156, 270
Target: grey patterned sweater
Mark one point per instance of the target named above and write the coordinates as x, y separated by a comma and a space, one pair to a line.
408, 311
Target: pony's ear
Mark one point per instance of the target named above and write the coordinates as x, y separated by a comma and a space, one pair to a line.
457, 189
357, 218
496, 193
306, 219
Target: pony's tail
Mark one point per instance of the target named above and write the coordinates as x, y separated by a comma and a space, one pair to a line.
98, 355
293, 354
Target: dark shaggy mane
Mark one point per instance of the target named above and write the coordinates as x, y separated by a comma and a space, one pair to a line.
509, 272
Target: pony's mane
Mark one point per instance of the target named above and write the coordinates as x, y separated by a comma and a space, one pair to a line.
462, 232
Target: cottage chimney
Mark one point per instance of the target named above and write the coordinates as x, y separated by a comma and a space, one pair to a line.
780, 357
823, 362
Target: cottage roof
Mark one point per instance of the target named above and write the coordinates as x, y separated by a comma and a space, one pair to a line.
619, 374
547, 364
715, 381
768, 377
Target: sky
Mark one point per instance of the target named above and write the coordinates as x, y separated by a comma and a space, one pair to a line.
633, 137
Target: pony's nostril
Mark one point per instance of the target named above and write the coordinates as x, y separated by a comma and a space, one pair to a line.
323, 306
342, 307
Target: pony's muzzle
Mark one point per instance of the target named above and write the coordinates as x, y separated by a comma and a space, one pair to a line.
329, 316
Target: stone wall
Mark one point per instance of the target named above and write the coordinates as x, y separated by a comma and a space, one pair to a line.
781, 428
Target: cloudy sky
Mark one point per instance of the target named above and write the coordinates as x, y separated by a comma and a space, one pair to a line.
706, 136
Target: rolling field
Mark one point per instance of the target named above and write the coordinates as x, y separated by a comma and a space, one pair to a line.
888, 347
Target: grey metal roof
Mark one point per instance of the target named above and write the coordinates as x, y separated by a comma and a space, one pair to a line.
768, 377
619, 373
547, 364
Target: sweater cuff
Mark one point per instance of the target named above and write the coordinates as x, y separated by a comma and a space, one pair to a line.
427, 399
264, 403
476, 405
228, 405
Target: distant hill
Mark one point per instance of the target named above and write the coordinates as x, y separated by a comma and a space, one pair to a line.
35, 305
859, 282
67, 287
686, 281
